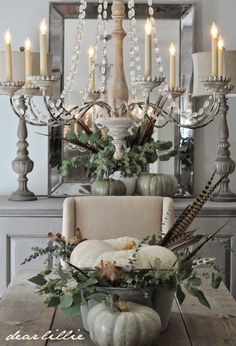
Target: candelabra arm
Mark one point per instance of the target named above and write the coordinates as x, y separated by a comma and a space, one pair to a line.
224, 164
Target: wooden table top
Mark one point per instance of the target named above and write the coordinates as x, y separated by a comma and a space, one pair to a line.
21, 309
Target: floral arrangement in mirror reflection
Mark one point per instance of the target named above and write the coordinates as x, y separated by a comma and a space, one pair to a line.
98, 151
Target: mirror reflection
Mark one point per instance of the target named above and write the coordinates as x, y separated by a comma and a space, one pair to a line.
177, 31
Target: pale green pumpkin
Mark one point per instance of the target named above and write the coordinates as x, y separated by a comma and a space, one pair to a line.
157, 185
138, 326
108, 188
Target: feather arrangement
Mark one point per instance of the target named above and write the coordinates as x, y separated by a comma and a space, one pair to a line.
177, 238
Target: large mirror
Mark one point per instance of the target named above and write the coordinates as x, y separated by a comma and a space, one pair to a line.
175, 24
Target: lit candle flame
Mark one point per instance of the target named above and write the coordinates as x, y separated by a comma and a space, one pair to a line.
172, 49
91, 52
221, 42
148, 27
214, 30
28, 45
7, 37
43, 27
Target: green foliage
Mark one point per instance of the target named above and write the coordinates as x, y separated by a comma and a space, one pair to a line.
57, 251
38, 280
186, 152
71, 289
102, 164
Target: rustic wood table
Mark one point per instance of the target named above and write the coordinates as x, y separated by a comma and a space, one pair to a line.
23, 313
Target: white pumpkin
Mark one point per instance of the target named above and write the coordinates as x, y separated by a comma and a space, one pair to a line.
121, 242
88, 254
139, 326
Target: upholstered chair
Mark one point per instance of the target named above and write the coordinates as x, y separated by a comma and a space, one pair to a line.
115, 216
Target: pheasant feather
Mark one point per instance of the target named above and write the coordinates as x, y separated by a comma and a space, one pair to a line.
180, 226
183, 243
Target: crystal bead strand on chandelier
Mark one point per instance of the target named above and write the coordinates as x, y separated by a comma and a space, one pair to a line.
134, 61
75, 58
173, 106
102, 13
135, 65
104, 62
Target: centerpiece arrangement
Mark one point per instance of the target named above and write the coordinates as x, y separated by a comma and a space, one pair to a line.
98, 157
126, 279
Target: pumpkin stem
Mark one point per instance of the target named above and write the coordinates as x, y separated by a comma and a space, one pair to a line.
122, 306
130, 245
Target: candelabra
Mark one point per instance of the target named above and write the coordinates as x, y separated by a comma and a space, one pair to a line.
224, 164
221, 87
116, 114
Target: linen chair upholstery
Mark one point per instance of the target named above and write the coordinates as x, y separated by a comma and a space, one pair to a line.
104, 217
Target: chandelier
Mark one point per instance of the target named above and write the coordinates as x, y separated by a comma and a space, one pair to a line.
119, 109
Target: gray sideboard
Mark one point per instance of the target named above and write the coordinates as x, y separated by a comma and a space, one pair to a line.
26, 224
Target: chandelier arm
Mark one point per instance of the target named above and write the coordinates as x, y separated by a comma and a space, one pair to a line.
39, 122
105, 105
198, 124
23, 116
154, 124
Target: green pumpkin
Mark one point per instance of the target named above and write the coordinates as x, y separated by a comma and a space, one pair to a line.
157, 185
108, 188
138, 325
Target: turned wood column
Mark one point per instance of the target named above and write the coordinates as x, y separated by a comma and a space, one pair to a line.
22, 164
224, 164
120, 94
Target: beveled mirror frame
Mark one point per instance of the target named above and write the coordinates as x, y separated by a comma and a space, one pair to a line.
59, 12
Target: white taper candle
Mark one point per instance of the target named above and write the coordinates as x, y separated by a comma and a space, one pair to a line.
148, 48
172, 51
220, 56
28, 59
214, 50
8, 56
43, 48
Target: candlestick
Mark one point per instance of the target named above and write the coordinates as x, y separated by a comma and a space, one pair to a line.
148, 48
214, 50
43, 48
91, 86
28, 60
8, 56
220, 56
172, 51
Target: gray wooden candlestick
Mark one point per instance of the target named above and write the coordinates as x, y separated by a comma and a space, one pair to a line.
224, 164
22, 165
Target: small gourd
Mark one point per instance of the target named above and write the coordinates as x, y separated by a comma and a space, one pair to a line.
130, 324
108, 188
157, 185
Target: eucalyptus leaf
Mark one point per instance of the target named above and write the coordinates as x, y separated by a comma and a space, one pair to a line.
215, 280
53, 301
66, 301
63, 274
73, 310
195, 281
199, 295
38, 280
180, 294
185, 269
